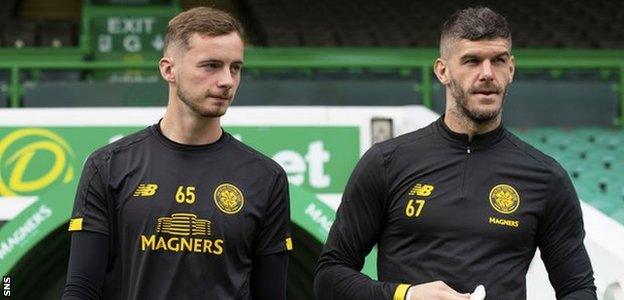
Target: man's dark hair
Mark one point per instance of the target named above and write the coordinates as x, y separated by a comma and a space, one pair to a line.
475, 23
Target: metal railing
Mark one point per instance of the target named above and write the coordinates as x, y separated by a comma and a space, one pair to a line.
333, 58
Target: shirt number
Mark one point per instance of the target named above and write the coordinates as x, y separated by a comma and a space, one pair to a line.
185, 194
412, 210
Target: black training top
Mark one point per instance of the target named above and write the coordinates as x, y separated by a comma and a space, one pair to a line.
468, 213
184, 222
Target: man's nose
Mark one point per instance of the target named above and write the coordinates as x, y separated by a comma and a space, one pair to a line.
225, 80
486, 70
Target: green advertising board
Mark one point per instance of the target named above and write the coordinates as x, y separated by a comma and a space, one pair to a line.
46, 162
129, 34
126, 32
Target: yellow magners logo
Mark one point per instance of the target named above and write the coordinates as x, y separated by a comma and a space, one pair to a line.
145, 190
32, 159
422, 190
183, 224
504, 199
182, 232
229, 199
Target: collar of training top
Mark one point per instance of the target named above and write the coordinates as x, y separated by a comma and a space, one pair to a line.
479, 141
218, 144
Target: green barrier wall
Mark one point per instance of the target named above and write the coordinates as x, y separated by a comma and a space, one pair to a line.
402, 60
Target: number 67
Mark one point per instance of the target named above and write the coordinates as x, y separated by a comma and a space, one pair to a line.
411, 210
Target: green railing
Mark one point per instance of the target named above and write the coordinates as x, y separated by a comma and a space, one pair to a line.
332, 58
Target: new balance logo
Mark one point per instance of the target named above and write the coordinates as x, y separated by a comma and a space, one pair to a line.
422, 190
145, 190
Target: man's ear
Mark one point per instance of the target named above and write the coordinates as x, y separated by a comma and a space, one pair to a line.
440, 70
166, 69
512, 68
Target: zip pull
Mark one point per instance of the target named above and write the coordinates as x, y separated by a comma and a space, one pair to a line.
468, 149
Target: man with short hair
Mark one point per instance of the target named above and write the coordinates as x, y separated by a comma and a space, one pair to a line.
462, 202
181, 209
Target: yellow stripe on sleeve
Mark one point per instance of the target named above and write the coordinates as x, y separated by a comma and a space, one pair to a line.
75, 224
400, 292
289, 245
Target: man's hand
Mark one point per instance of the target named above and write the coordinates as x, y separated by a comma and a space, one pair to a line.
436, 290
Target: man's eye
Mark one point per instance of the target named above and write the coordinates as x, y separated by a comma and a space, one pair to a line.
211, 66
236, 68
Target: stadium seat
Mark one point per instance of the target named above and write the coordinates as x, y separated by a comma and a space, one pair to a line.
355, 38
538, 24
20, 34
57, 34
282, 37
319, 36
594, 159
7, 8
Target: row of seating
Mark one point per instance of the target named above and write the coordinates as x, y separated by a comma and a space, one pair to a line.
594, 159
19, 34
369, 23
567, 23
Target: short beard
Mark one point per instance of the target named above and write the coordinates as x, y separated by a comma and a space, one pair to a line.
476, 116
194, 104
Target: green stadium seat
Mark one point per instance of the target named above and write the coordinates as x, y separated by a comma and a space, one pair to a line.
586, 135
594, 159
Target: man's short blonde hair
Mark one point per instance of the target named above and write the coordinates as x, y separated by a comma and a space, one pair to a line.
202, 20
